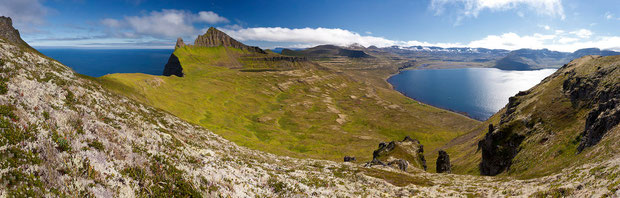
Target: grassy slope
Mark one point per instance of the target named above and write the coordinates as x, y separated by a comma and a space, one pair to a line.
555, 142
291, 112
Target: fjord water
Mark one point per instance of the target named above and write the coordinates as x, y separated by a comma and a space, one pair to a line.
477, 92
99, 62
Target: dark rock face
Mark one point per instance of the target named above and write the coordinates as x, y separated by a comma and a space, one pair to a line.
216, 38
605, 102
349, 159
8, 32
498, 147
600, 120
443, 162
173, 67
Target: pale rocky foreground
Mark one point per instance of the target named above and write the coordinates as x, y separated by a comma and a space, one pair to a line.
143, 150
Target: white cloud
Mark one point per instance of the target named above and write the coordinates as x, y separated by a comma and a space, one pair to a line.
24, 12
582, 33
559, 40
611, 16
211, 17
547, 27
472, 8
313, 36
167, 23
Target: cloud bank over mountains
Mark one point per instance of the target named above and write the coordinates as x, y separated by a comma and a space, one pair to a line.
559, 40
152, 28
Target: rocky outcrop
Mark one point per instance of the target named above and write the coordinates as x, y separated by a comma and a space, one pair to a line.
443, 162
9, 33
180, 43
173, 67
409, 150
498, 147
599, 121
216, 38
590, 92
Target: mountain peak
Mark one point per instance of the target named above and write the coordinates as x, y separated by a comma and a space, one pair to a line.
8, 32
215, 38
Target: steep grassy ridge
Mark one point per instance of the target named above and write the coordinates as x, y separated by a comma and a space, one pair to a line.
298, 109
547, 123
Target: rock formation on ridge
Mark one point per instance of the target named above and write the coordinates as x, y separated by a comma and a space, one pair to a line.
216, 38
8, 32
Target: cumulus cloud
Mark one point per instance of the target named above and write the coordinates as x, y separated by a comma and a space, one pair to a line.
166, 23
312, 36
582, 33
471, 8
559, 41
211, 17
24, 12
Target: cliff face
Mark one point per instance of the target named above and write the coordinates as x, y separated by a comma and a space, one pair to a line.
215, 38
173, 67
9, 33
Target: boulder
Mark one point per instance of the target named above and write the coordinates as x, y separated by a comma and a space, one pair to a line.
349, 159
443, 162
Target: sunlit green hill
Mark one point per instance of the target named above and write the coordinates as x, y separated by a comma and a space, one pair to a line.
287, 105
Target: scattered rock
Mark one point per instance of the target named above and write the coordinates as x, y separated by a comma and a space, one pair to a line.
443, 162
349, 159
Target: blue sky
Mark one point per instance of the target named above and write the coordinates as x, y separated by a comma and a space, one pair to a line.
563, 25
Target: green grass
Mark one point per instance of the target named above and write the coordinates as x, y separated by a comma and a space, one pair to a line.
286, 112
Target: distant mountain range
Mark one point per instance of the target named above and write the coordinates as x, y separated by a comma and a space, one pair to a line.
522, 59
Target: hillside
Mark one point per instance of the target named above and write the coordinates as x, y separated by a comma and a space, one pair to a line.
570, 119
288, 105
66, 135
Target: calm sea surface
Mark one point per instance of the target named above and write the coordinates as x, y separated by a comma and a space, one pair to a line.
478, 92
99, 62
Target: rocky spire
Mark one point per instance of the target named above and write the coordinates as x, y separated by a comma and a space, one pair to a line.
443, 162
9, 33
180, 43
215, 38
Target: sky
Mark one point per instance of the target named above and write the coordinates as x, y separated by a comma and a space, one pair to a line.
561, 25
